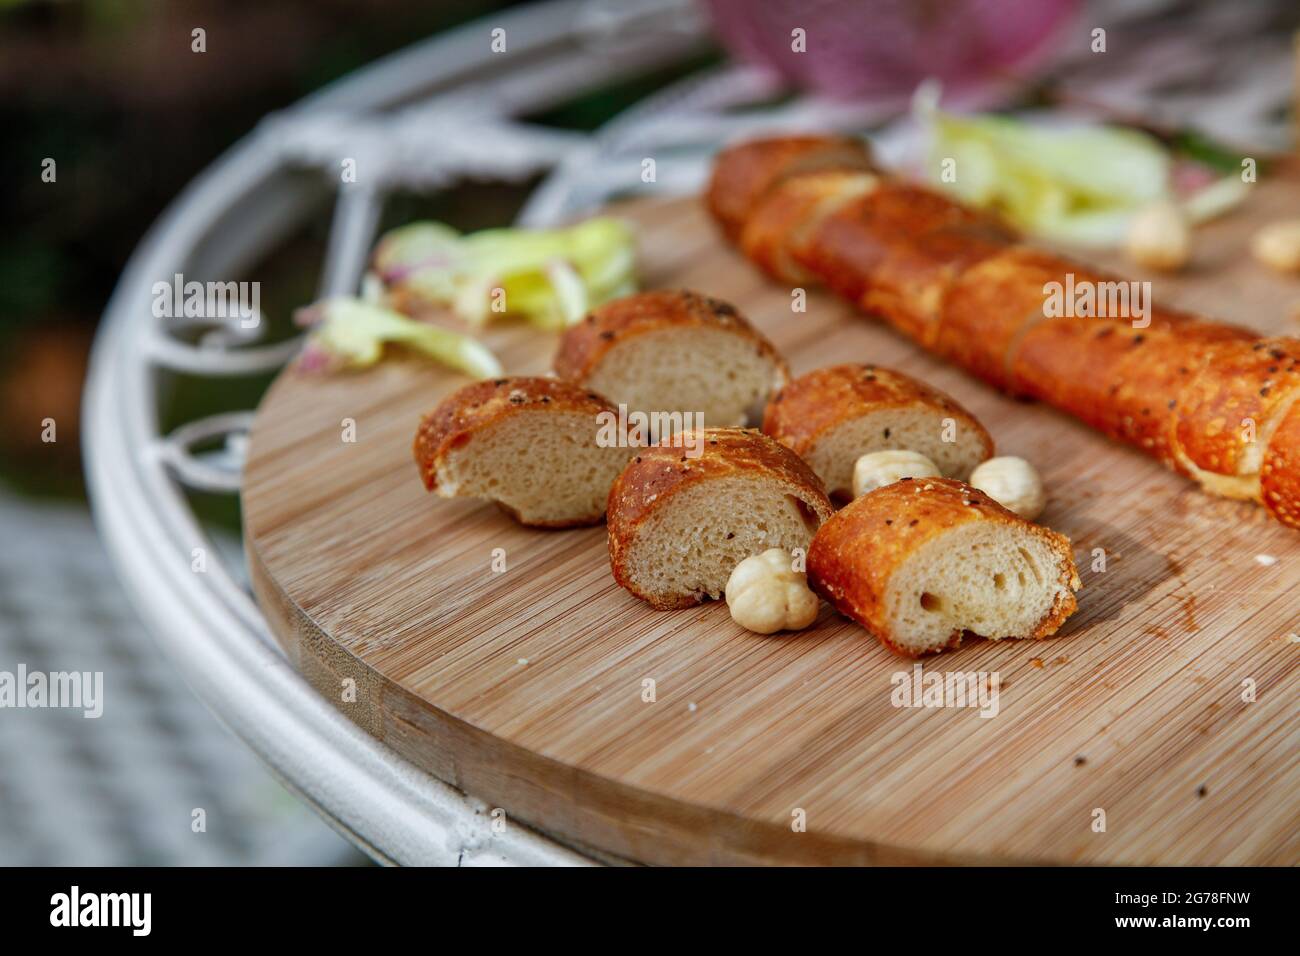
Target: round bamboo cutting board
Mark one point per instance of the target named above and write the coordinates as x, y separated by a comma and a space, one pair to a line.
1159, 727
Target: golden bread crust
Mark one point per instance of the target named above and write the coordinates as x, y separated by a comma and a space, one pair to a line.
743, 173
1092, 369
1127, 383
989, 307
856, 552
1279, 475
824, 398
895, 251
1247, 382
776, 232
583, 346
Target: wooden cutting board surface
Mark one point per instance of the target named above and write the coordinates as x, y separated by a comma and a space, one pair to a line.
528, 688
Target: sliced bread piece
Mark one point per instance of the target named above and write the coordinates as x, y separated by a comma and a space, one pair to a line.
923, 561
543, 449
679, 525
833, 416
674, 353
743, 174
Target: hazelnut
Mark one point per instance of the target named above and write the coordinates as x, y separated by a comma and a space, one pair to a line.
879, 468
1013, 483
1159, 237
766, 594
1277, 245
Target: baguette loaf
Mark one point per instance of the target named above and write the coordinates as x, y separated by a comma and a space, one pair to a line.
924, 561
1210, 400
679, 525
832, 416
530, 444
676, 352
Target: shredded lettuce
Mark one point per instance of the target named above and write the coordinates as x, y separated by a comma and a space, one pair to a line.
352, 333
1078, 185
552, 277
